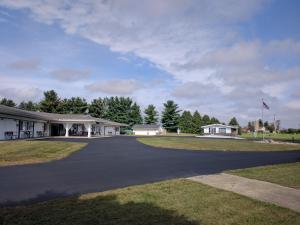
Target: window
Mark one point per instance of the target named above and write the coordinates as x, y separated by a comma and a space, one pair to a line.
222, 130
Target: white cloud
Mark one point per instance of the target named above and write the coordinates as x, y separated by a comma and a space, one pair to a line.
69, 75
193, 41
25, 64
294, 104
115, 87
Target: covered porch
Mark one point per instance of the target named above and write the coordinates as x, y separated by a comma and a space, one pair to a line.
77, 129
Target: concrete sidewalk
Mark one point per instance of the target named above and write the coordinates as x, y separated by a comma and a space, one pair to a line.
261, 190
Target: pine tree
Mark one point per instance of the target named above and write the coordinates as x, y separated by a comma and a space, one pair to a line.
205, 120
170, 116
186, 122
214, 120
151, 115
197, 123
135, 115
98, 108
30, 106
7, 102
50, 103
233, 122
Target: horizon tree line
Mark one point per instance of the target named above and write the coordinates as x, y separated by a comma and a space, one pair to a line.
121, 109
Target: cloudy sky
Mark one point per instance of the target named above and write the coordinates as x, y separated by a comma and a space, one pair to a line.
219, 57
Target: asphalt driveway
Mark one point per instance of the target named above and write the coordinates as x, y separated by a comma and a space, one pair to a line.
108, 163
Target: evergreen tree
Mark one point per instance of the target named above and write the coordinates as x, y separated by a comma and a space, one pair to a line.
170, 116
251, 126
205, 120
135, 115
7, 102
50, 103
260, 123
30, 106
197, 123
186, 122
233, 122
151, 115
214, 120
76, 105
98, 108
266, 124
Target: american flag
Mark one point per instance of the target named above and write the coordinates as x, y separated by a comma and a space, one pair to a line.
265, 105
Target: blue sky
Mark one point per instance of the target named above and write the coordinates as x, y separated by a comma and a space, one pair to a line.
218, 57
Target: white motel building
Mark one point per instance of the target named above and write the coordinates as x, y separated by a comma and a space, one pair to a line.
22, 124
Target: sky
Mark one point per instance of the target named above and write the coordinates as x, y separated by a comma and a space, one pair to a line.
218, 57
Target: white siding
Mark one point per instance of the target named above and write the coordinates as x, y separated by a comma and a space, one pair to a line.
112, 131
206, 130
146, 132
8, 125
38, 127
227, 131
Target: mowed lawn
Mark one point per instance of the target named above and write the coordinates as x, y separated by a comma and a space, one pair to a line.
25, 152
277, 137
214, 144
168, 202
283, 174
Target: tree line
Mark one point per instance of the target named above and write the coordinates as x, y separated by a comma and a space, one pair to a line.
122, 110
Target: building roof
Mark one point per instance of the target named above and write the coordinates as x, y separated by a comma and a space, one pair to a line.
146, 127
219, 125
55, 117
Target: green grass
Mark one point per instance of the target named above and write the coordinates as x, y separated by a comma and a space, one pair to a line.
26, 152
279, 137
214, 144
283, 174
173, 202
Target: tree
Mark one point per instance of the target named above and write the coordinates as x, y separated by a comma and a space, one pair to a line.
135, 115
214, 120
98, 108
233, 122
251, 126
266, 125
7, 102
50, 103
74, 105
205, 120
197, 123
170, 116
260, 123
30, 106
186, 122
151, 115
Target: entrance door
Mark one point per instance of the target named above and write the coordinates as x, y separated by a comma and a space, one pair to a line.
57, 130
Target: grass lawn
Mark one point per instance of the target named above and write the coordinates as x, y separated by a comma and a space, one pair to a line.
173, 202
284, 174
279, 137
25, 152
214, 144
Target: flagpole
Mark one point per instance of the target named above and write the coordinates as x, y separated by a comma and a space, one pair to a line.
262, 118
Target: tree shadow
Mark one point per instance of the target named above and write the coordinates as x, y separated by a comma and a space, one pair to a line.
103, 209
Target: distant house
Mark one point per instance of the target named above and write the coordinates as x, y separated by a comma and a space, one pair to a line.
147, 129
220, 129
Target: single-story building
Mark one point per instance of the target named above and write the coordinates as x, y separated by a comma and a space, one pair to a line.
19, 124
147, 129
220, 129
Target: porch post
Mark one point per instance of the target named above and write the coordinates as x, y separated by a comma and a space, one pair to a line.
88, 126
66, 125
89, 130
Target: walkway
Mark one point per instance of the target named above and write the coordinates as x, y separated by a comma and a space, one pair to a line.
261, 190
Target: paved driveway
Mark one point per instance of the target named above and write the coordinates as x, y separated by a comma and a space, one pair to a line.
116, 162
